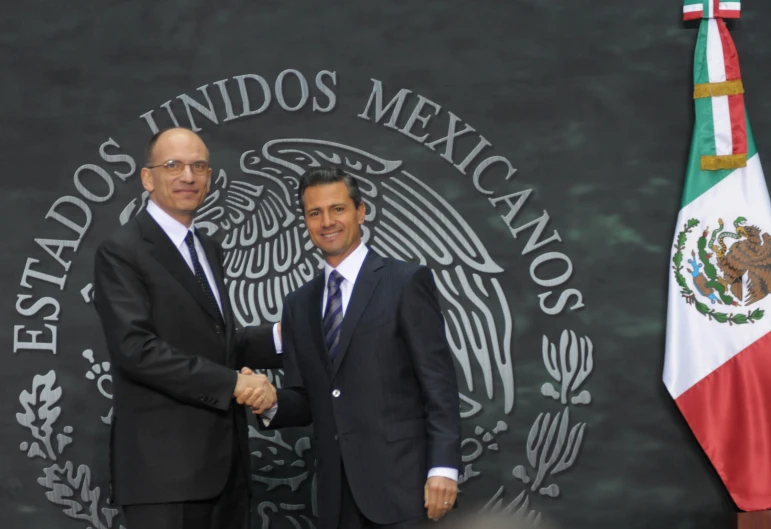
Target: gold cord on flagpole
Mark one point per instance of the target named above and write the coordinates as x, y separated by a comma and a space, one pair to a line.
727, 161
726, 88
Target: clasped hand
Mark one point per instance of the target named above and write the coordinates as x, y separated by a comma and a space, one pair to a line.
255, 391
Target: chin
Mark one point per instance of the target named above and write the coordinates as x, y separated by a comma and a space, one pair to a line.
189, 206
331, 252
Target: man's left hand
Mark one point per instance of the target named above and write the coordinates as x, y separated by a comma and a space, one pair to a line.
439, 494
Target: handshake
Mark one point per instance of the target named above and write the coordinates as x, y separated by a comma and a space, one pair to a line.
255, 391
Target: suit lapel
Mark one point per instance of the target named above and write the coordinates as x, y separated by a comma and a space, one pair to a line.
169, 256
212, 256
366, 281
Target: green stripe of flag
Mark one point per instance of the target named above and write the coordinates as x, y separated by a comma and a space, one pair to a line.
704, 127
697, 182
700, 65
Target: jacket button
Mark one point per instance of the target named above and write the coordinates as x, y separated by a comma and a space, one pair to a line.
335, 437
218, 329
336, 393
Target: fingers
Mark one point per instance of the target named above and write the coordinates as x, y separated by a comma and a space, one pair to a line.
244, 395
256, 400
433, 506
431, 499
259, 394
439, 494
266, 399
447, 500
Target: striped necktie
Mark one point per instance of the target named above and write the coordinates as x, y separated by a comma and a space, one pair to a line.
333, 316
200, 275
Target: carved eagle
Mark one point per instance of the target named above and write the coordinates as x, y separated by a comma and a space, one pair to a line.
268, 252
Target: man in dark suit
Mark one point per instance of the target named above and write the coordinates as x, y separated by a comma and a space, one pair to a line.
367, 362
178, 448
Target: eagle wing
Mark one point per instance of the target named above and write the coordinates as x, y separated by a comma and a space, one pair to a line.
755, 261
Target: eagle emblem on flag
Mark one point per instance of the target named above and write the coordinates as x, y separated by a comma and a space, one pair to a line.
726, 266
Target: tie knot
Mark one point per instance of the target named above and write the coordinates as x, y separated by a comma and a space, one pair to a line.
334, 280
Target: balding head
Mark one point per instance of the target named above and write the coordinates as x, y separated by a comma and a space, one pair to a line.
177, 173
149, 151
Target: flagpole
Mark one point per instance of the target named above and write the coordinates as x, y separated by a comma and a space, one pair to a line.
753, 520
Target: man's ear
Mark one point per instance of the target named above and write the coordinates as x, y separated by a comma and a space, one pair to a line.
361, 212
147, 180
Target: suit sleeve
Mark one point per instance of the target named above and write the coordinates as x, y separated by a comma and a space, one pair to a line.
123, 304
293, 406
421, 321
256, 347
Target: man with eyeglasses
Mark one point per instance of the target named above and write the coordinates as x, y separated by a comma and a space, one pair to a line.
179, 454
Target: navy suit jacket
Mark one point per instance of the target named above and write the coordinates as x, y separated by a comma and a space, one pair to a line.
386, 410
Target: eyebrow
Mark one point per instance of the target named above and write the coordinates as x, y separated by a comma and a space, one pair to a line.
329, 206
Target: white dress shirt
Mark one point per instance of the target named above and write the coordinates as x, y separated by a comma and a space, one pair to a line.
349, 270
176, 231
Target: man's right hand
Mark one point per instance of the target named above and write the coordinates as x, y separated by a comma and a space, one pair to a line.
254, 391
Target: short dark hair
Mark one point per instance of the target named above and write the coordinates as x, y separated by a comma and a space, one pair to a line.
154, 139
328, 175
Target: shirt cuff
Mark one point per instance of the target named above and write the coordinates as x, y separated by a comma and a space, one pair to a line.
268, 415
444, 472
277, 340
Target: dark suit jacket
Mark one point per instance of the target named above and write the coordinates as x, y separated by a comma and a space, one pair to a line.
174, 368
387, 408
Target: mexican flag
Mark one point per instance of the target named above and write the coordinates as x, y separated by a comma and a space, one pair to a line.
718, 347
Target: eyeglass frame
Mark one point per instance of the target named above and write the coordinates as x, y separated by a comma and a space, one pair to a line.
192, 170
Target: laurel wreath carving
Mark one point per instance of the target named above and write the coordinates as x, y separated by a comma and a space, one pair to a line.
40, 414
690, 297
553, 446
66, 486
554, 442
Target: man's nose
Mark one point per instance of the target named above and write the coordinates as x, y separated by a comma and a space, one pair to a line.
326, 219
187, 174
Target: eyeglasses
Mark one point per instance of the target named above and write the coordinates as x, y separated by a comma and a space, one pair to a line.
175, 167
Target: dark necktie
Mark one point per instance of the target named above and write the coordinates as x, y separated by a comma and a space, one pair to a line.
333, 316
201, 276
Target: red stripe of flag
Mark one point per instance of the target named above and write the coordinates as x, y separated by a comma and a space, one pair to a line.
730, 13
728, 411
738, 123
735, 102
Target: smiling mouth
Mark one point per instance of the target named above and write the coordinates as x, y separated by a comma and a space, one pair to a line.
330, 235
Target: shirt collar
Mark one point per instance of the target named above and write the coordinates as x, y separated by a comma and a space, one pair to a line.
175, 230
350, 266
